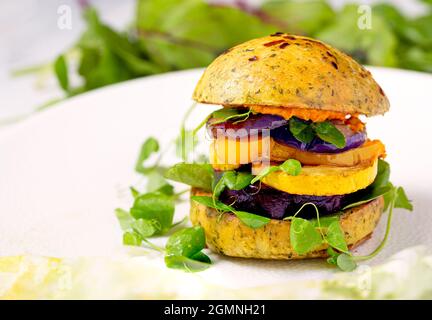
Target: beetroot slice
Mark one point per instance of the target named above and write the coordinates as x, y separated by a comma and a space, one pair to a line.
276, 204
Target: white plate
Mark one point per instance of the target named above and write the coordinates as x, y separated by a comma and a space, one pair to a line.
64, 171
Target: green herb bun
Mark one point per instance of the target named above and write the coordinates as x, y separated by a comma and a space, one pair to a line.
227, 235
290, 71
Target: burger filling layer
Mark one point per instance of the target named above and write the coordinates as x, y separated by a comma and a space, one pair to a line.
338, 161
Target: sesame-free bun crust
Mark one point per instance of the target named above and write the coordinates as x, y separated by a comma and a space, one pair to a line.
227, 235
290, 71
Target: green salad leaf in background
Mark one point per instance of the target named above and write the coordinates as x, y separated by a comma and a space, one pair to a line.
168, 35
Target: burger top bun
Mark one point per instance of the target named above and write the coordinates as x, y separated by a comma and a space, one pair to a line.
290, 71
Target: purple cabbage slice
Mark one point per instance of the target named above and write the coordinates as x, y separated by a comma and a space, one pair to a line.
279, 131
353, 139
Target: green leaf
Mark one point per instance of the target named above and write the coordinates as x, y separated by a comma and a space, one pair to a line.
416, 58
346, 262
383, 175
218, 188
150, 146
335, 237
238, 115
108, 56
208, 202
99, 65
291, 166
237, 180
61, 71
301, 130
300, 17
185, 143
329, 133
187, 264
305, 132
401, 200
132, 239
303, 236
373, 194
154, 206
186, 242
192, 34
183, 250
333, 255
135, 193
380, 187
392, 16
127, 52
265, 172
251, 220
225, 113
375, 46
201, 256
156, 182
124, 218
243, 179
166, 189
196, 175
419, 31
325, 221
145, 228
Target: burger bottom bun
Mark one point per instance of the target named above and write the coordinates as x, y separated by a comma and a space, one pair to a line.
227, 235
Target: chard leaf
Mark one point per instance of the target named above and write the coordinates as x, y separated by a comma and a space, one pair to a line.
303, 17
